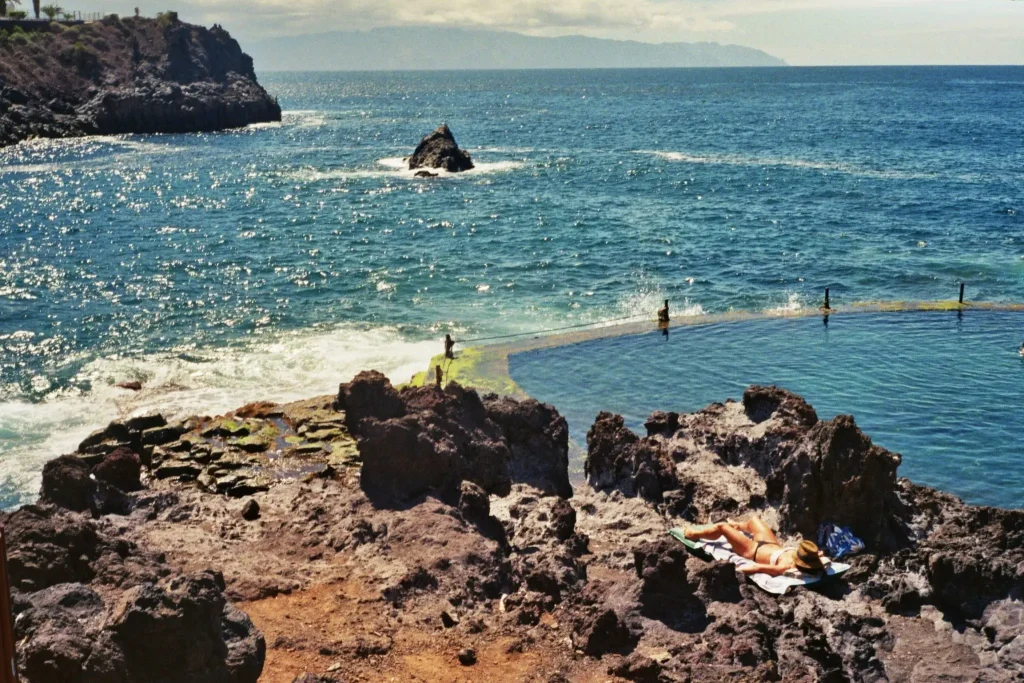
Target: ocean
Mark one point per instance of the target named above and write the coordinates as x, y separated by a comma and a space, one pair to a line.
273, 262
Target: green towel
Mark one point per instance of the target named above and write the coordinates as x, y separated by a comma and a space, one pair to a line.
680, 535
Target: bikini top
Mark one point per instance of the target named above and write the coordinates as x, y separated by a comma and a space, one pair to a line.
774, 559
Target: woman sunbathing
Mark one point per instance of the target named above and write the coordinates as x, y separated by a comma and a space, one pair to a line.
753, 540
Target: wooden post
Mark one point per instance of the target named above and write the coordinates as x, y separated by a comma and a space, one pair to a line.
663, 313
449, 346
827, 306
438, 375
9, 665
961, 293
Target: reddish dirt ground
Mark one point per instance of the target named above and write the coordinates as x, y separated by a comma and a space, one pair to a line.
338, 616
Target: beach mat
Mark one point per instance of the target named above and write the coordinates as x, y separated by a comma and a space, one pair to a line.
719, 549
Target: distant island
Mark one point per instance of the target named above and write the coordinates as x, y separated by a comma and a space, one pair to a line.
453, 48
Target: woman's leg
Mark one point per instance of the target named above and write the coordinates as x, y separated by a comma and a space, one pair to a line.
744, 526
760, 531
741, 544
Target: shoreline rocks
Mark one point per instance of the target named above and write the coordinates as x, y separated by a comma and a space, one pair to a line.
94, 607
395, 531
136, 75
439, 150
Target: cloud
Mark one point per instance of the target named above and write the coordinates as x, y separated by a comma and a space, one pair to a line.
800, 31
539, 17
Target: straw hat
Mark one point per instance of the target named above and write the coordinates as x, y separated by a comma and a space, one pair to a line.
807, 557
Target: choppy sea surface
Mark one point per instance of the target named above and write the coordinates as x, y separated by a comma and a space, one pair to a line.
275, 261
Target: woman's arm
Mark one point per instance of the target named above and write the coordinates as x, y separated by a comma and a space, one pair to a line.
770, 569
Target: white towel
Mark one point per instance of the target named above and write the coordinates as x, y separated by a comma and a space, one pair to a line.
779, 585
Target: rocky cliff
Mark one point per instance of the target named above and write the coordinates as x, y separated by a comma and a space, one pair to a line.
429, 534
133, 75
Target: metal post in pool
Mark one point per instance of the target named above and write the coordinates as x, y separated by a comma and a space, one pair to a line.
827, 306
9, 666
961, 294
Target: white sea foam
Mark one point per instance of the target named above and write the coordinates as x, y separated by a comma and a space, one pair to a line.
396, 167
649, 297
743, 160
793, 305
287, 368
264, 125
303, 118
506, 150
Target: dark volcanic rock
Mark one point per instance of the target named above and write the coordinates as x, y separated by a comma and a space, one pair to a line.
121, 468
836, 474
563, 520
138, 75
936, 595
70, 482
473, 502
369, 394
637, 667
602, 631
762, 403
96, 609
662, 423
48, 546
666, 593
186, 631
618, 458
553, 574
251, 511
538, 439
467, 656
438, 150
66, 482
426, 440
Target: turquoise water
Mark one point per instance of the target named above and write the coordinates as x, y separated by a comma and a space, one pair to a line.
945, 391
275, 261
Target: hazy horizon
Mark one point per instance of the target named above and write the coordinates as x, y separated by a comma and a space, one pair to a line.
800, 32
455, 49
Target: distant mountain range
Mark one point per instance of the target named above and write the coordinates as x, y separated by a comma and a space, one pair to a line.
454, 48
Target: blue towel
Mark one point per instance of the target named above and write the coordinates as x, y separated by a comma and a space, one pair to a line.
837, 540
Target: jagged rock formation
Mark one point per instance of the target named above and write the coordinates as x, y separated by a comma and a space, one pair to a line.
806, 470
439, 150
94, 607
445, 538
931, 561
424, 440
127, 76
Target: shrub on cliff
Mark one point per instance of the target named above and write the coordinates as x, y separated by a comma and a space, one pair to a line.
166, 19
85, 61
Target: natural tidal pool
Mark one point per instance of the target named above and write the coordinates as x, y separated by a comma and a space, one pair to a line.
944, 390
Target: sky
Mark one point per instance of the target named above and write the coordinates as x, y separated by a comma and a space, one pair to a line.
802, 32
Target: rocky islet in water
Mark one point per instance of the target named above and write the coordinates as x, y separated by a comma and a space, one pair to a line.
438, 150
410, 532
132, 75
